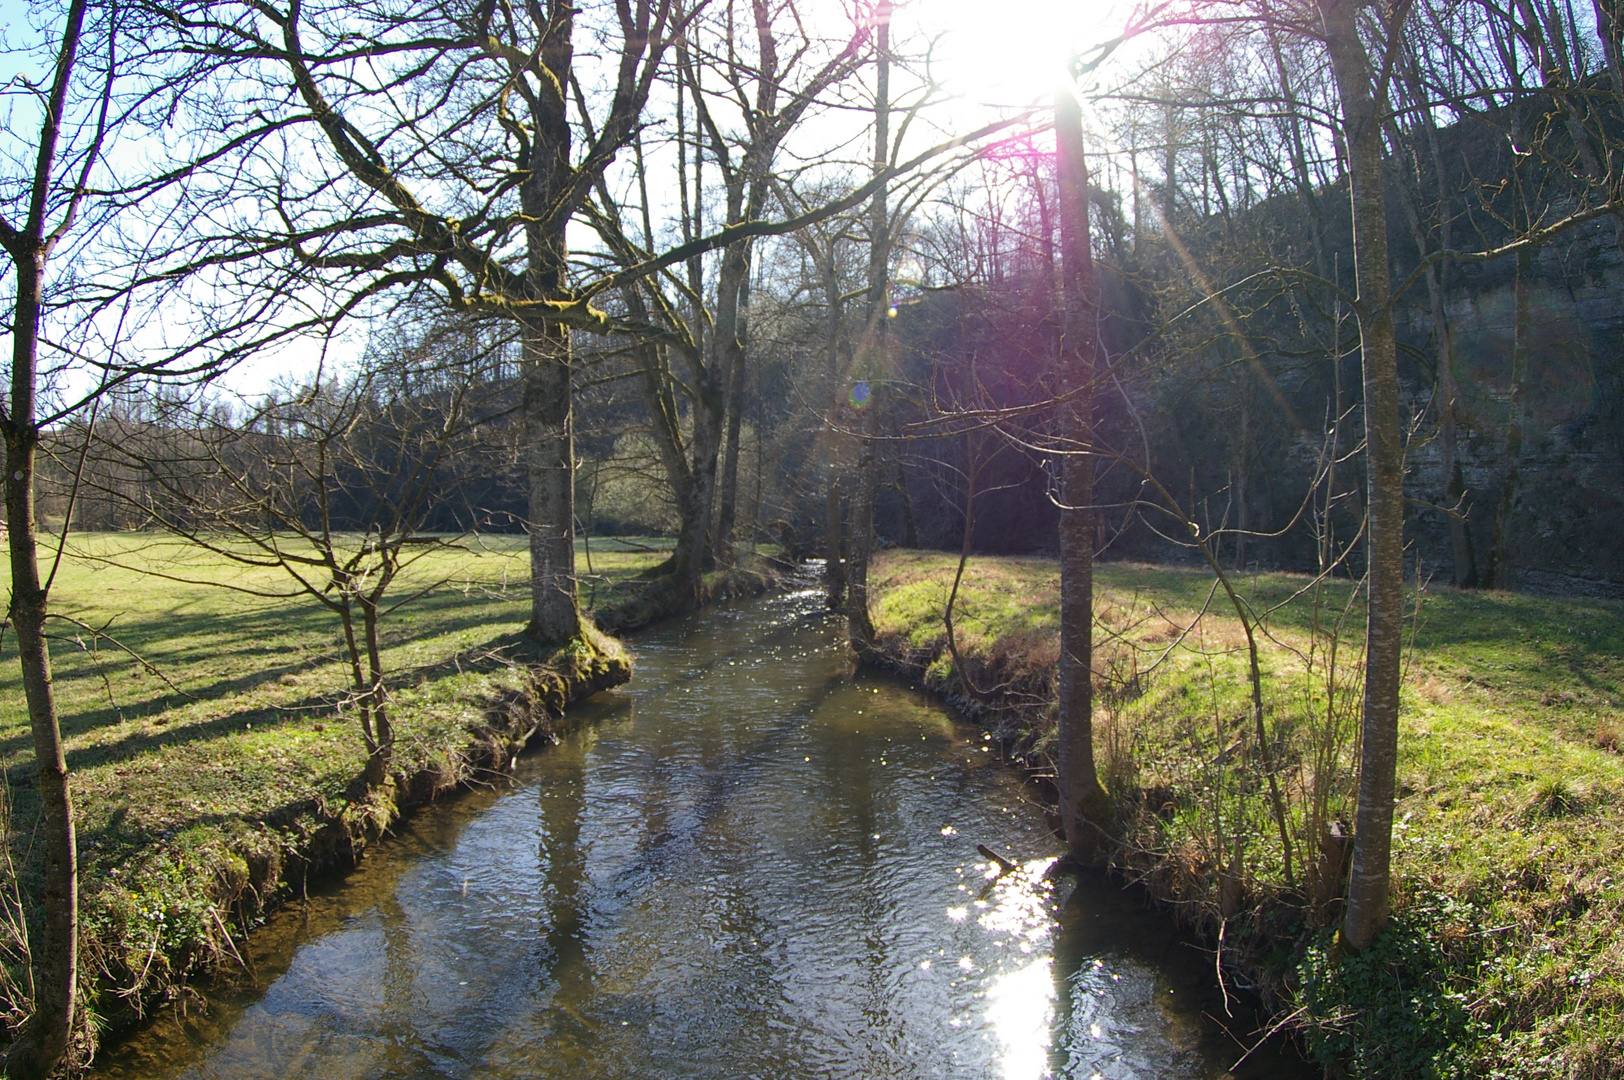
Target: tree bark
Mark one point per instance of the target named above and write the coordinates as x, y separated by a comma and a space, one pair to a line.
834, 564
549, 448
547, 393
381, 759
1370, 879
1084, 806
44, 1040
726, 517
834, 569
910, 528
860, 628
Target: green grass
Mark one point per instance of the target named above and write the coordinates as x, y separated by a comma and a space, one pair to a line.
1509, 850
219, 667
207, 759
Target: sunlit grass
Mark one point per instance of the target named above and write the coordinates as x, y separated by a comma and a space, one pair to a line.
214, 730
1510, 780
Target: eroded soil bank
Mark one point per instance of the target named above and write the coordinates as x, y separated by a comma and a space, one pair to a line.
178, 904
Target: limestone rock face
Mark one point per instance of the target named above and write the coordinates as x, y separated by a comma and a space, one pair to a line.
1566, 528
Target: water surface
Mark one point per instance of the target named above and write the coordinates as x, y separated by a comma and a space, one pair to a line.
749, 864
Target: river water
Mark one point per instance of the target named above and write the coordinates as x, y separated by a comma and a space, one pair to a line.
749, 864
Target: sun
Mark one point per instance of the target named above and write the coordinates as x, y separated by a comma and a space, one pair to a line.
1010, 53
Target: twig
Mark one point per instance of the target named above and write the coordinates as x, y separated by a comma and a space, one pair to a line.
221, 923
1276, 1026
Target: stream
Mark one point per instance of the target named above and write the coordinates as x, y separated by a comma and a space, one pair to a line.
748, 863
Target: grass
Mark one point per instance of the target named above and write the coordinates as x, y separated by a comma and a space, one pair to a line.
1505, 958
209, 745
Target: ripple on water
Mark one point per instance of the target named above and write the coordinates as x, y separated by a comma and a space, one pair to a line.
751, 865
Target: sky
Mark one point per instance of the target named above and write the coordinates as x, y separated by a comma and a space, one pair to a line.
991, 57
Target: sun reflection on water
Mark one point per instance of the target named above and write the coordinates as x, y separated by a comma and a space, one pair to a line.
1020, 1002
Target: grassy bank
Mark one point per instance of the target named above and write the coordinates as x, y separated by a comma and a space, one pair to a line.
214, 764
1505, 957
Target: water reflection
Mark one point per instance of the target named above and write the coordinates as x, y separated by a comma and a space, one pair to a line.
752, 865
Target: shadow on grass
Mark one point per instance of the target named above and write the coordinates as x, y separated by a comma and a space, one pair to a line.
226, 633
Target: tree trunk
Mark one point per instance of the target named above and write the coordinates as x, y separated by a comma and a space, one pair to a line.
876, 363
1369, 881
910, 528
834, 569
43, 1042
727, 518
860, 628
381, 760
710, 407
549, 446
376, 767
1243, 521
1084, 808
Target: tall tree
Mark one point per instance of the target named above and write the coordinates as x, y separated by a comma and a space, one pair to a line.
456, 145
51, 200
1363, 102
874, 358
1084, 807
770, 82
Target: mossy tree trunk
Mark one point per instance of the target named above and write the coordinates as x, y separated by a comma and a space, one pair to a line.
549, 459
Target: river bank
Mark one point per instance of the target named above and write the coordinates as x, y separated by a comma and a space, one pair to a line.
215, 764
1504, 957
750, 861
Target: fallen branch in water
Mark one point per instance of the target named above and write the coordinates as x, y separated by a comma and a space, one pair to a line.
1004, 865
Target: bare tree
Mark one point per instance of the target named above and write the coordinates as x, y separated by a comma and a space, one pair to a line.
454, 158
330, 482
769, 82
50, 201
1084, 807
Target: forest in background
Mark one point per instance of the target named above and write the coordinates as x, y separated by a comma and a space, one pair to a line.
1232, 409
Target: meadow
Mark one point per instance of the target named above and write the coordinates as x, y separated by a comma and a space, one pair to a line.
203, 708
1505, 957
